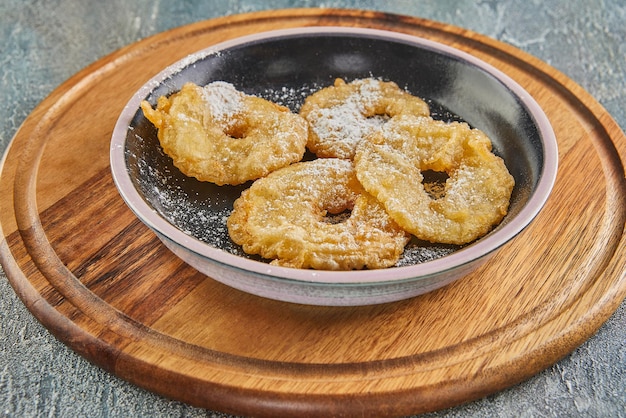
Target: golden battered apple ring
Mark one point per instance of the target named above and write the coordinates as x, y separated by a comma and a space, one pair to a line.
476, 194
220, 135
340, 116
284, 217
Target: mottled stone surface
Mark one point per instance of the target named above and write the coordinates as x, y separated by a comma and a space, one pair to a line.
44, 43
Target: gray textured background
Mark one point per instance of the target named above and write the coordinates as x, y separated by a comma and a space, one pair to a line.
42, 43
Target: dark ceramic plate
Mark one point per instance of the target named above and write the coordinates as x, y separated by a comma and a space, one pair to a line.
286, 66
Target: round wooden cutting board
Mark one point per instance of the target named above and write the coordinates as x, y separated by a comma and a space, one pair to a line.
103, 283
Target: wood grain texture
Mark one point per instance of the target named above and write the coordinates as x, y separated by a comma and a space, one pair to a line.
101, 282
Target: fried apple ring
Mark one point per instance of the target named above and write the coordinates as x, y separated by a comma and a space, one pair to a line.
340, 116
476, 194
218, 134
284, 217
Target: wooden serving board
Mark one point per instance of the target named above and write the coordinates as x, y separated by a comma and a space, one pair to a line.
101, 282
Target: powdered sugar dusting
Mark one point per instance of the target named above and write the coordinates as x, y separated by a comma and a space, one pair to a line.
418, 252
223, 99
291, 97
346, 121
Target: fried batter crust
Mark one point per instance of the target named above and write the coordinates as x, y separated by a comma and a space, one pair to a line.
341, 115
284, 217
477, 192
220, 135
